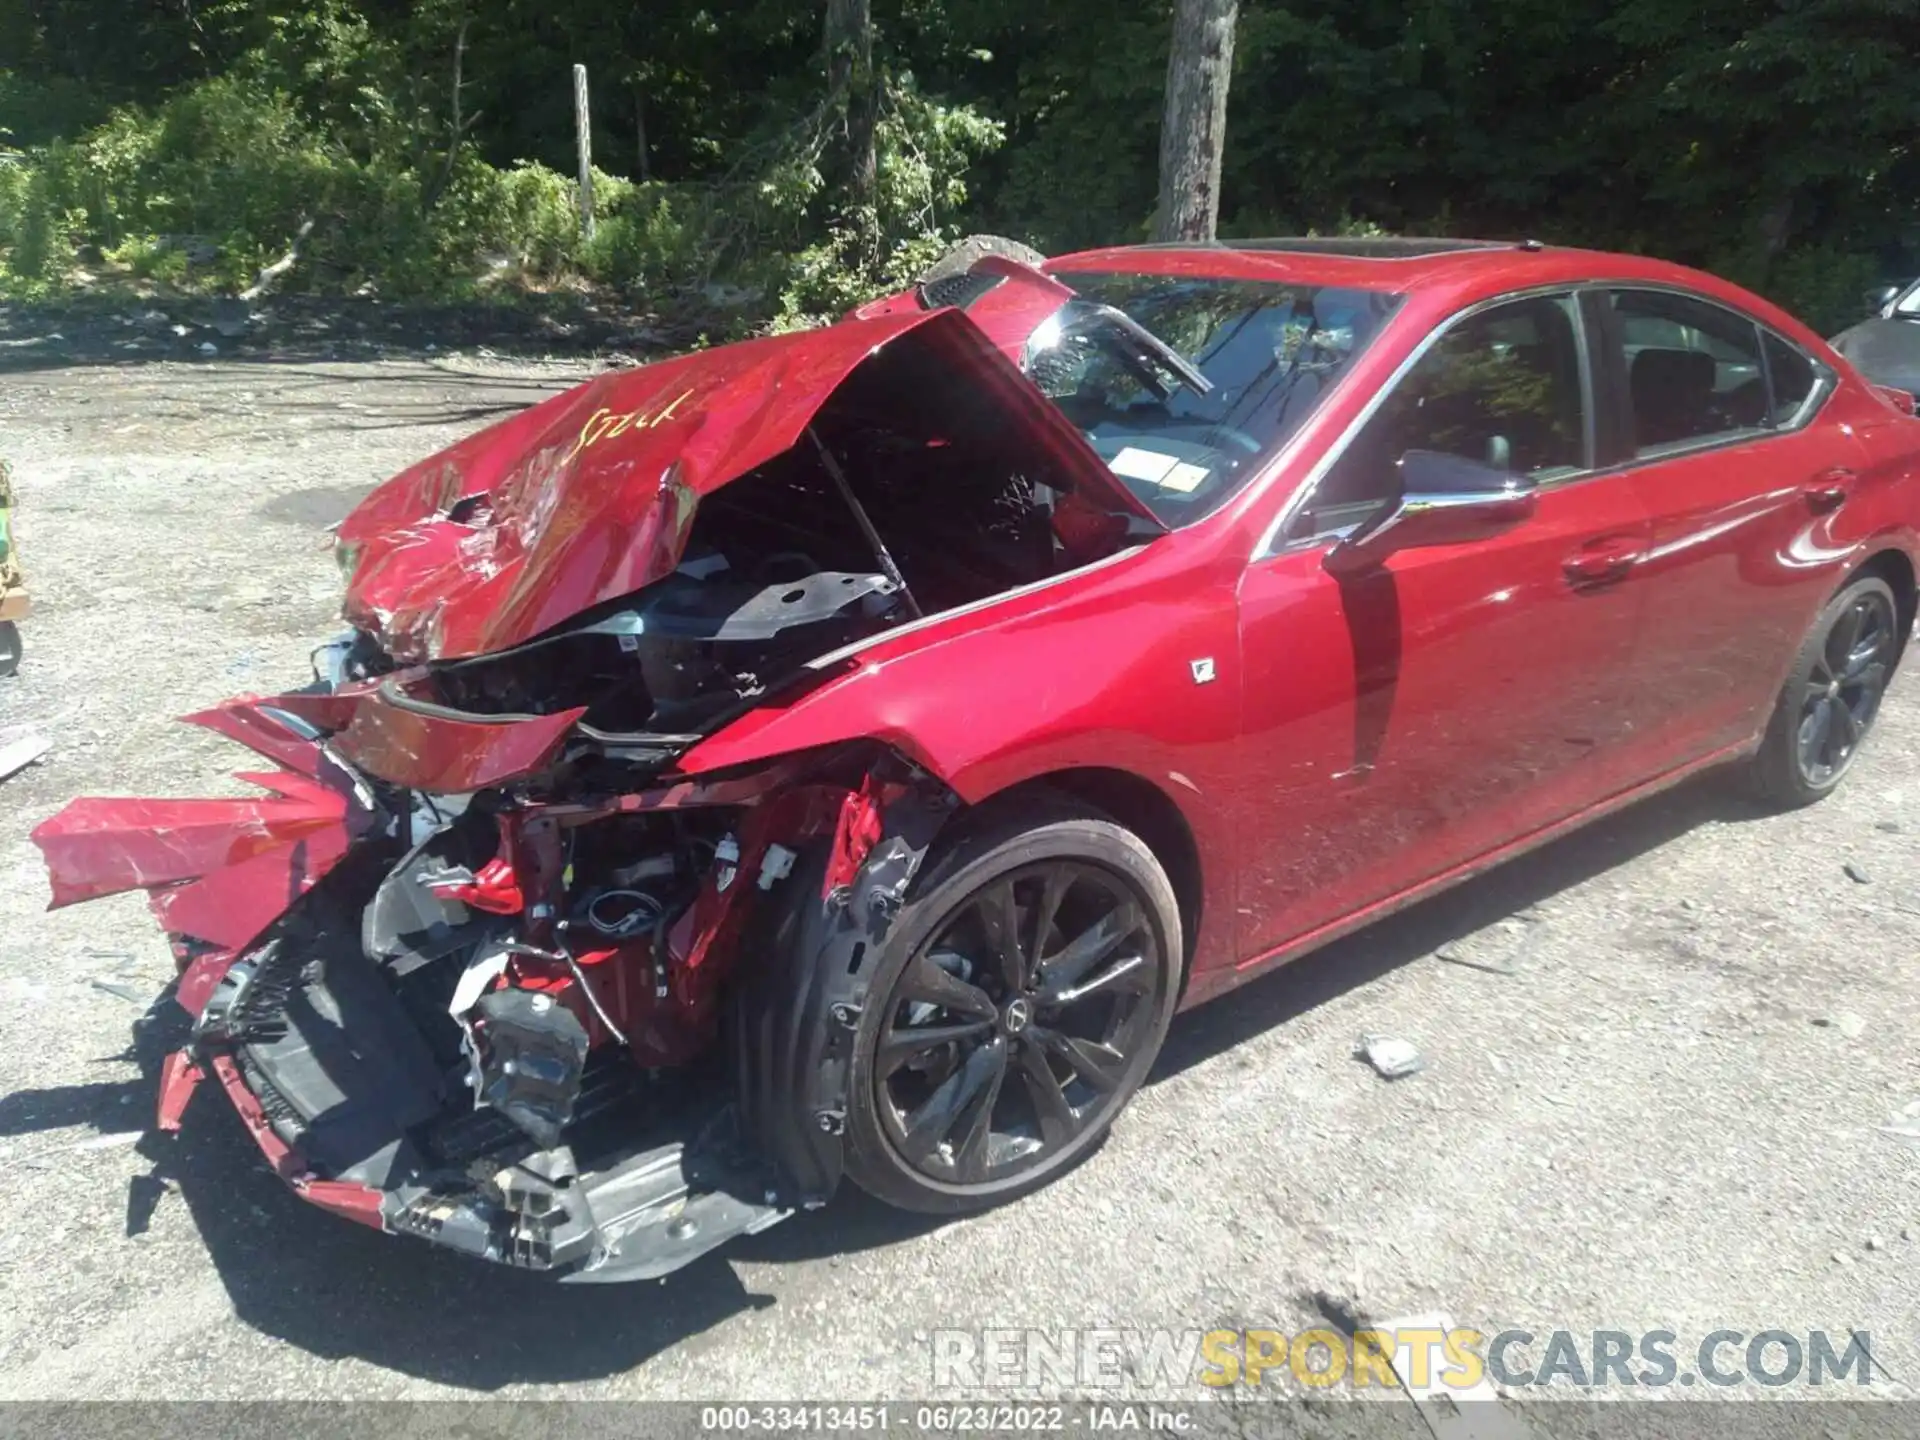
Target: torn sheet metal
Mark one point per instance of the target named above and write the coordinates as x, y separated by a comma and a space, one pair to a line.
422, 747
217, 872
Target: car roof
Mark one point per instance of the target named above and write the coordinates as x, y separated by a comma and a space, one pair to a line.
1443, 272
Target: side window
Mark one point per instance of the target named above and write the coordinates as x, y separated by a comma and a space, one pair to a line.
1792, 375
1501, 387
1694, 373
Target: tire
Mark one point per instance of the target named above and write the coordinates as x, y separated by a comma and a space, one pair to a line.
1831, 697
9, 648
1101, 987
962, 256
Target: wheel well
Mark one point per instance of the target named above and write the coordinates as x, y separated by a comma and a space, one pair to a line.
1148, 811
1896, 569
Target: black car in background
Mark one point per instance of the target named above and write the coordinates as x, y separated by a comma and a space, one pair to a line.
1886, 347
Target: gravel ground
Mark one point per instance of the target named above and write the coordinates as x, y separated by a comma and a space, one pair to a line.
1671, 1114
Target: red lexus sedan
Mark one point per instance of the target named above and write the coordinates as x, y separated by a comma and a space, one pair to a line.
841, 753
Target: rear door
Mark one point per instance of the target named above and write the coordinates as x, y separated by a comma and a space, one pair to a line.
1408, 720
1723, 449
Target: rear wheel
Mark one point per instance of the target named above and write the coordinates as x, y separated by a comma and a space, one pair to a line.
1022, 1001
9, 648
1831, 697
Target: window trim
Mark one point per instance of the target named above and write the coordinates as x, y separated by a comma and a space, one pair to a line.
1273, 539
1593, 366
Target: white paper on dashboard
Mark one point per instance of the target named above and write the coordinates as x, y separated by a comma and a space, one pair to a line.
1166, 471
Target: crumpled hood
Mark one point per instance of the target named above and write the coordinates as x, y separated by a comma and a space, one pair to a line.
588, 496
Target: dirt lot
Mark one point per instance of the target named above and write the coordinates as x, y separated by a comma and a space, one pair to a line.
1674, 1112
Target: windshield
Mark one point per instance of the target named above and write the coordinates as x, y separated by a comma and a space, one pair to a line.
1265, 351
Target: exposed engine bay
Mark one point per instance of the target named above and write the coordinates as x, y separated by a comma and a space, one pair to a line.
906, 497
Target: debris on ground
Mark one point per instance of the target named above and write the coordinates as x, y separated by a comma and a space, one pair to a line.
1905, 1125
19, 748
1389, 1055
121, 992
1498, 949
1856, 874
113, 1141
1887, 827
1845, 1021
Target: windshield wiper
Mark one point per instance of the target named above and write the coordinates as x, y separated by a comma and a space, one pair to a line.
1086, 315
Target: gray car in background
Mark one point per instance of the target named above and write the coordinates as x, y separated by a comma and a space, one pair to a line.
1886, 347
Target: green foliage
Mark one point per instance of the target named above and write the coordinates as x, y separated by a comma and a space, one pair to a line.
40, 231
924, 149
430, 142
825, 280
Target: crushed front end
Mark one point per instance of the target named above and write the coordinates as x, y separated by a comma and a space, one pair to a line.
571, 1021
486, 964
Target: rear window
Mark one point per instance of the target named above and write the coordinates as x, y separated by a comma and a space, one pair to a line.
1792, 376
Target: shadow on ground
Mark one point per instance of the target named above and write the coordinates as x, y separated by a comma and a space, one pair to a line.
336, 1290
1418, 931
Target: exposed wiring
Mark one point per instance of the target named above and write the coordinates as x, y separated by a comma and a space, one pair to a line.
514, 947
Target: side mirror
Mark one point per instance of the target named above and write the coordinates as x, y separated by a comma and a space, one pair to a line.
1878, 299
1444, 500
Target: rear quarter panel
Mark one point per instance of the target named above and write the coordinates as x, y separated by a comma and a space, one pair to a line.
1885, 510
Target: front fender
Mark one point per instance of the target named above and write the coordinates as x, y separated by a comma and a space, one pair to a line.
1125, 671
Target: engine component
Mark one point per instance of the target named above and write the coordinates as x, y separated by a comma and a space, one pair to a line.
686, 649
532, 1053
417, 914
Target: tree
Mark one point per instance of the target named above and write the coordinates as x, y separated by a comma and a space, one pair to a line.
851, 89
1193, 133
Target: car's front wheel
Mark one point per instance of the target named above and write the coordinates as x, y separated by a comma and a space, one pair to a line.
1022, 1000
1832, 695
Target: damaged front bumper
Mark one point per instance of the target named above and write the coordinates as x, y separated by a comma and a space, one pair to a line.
437, 1015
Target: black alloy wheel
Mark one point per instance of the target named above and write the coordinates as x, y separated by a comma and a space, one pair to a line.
1832, 695
1029, 1004
1845, 681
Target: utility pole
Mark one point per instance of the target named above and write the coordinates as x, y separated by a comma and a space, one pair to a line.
583, 136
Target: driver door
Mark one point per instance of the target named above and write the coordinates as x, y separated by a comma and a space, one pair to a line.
1406, 720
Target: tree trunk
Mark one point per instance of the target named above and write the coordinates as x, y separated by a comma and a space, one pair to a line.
850, 82
1776, 227
1193, 131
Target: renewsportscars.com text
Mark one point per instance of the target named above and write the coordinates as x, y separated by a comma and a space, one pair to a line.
1413, 1357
